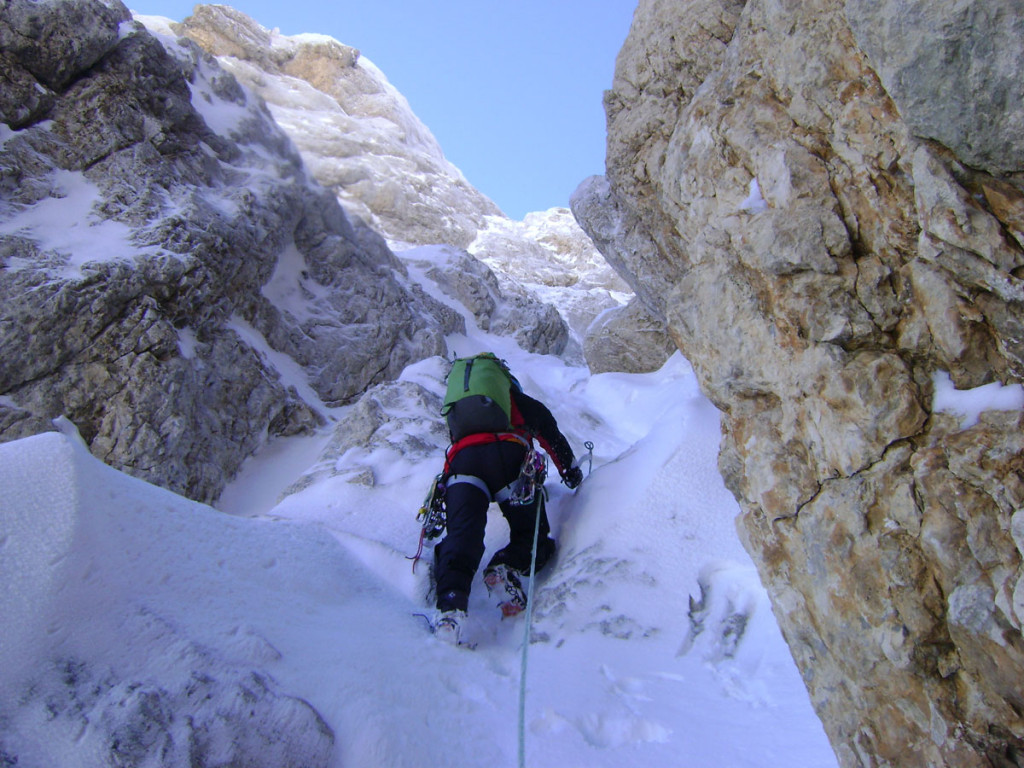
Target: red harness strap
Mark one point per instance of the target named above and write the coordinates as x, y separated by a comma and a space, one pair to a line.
482, 438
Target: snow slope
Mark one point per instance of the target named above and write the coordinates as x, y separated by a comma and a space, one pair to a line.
315, 590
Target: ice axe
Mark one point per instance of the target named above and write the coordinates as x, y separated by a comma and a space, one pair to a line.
588, 456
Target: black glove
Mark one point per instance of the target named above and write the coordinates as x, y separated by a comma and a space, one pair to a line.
573, 477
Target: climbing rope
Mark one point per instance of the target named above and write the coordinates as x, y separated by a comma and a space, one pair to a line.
526, 632
528, 623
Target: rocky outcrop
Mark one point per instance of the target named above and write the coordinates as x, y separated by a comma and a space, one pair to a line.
496, 304
620, 236
171, 280
624, 338
832, 201
555, 259
358, 137
953, 71
627, 339
546, 248
382, 424
365, 144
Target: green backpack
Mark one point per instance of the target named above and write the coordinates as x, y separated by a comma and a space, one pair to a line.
479, 396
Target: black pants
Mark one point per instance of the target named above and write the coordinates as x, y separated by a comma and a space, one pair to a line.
458, 555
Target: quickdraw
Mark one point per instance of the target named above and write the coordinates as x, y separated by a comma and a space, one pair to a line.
532, 475
432, 515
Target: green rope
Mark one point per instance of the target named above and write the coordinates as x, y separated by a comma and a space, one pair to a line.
526, 633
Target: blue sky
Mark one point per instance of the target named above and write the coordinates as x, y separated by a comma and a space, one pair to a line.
512, 90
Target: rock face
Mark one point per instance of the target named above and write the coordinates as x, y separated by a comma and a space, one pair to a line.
627, 338
359, 138
968, 54
632, 337
383, 423
365, 144
498, 305
170, 278
546, 248
832, 202
552, 257
620, 236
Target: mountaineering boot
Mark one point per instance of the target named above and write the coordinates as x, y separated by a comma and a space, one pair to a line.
507, 584
448, 626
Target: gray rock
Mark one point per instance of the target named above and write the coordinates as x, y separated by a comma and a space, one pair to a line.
167, 262
359, 138
627, 339
621, 237
954, 71
400, 418
551, 256
498, 305
54, 42
546, 248
366, 145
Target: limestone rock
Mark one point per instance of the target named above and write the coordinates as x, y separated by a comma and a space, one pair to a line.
620, 236
552, 257
953, 70
166, 261
498, 305
546, 248
611, 342
53, 43
400, 418
359, 138
627, 339
823, 200
365, 144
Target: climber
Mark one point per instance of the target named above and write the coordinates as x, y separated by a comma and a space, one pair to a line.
492, 424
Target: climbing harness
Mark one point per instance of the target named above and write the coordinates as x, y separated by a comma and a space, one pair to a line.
532, 473
520, 491
483, 438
